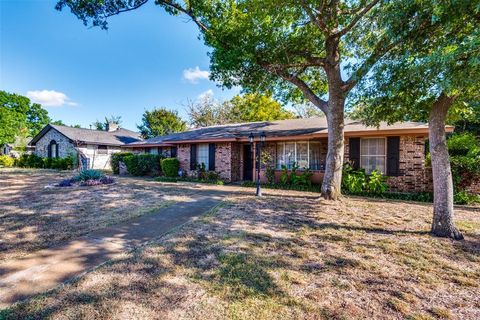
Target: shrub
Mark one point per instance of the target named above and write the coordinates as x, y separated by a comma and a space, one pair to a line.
89, 174
107, 180
463, 197
143, 164
30, 161
6, 161
170, 167
270, 174
357, 182
377, 183
116, 158
353, 181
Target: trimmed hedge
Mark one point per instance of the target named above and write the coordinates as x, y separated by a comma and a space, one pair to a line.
116, 158
170, 167
34, 161
143, 164
6, 161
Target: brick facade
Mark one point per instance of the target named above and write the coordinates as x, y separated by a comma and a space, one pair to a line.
413, 175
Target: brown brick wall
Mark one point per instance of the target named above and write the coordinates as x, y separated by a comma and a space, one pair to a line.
183, 156
474, 188
414, 176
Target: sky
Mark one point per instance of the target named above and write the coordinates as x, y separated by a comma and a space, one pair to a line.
145, 59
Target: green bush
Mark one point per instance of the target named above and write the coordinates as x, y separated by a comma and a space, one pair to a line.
6, 161
463, 197
188, 179
353, 181
30, 161
358, 182
270, 174
170, 167
116, 158
143, 164
89, 174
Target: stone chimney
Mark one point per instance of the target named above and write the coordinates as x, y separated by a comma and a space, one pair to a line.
112, 127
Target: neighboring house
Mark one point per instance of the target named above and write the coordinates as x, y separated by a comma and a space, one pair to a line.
20, 146
396, 150
92, 147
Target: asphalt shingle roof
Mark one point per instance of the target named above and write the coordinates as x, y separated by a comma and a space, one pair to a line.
280, 128
117, 138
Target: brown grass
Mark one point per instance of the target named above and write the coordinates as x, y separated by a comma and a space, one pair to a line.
286, 256
35, 215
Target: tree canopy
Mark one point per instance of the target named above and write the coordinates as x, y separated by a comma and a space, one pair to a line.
241, 108
159, 122
20, 117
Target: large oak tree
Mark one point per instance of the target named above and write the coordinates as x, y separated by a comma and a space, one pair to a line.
302, 50
431, 76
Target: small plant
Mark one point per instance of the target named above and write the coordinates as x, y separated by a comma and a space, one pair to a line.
89, 174
304, 178
6, 161
377, 183
270, 174
91, 182
353, 181
170, 167
463, 197
107, 180
284, 178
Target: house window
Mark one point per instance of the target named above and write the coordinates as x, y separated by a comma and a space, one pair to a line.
202, 154
101, 149
304, 154
53, 149
373, 154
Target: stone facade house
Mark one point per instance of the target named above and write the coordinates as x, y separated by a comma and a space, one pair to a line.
93, 148
397, 150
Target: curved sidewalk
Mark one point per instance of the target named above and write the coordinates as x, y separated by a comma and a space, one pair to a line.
46, 269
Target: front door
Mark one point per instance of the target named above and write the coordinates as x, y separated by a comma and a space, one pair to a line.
247, 162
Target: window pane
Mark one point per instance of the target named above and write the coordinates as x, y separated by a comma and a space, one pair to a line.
302, 154
280, 160
315, 159
372, 154
289, 154
202, 154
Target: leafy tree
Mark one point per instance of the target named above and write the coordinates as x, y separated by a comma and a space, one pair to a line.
300, 50
206, 112
37, 119
19, 117
58, 123
241, 108
159, 122
102, 126
430, 76
13, 110
255, 107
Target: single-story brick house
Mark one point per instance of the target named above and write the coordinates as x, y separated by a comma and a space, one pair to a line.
397, 150
93, 147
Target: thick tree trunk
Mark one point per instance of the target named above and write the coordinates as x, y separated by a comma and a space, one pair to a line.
332, 180
442, 225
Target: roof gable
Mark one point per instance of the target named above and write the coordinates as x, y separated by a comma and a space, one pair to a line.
117, 138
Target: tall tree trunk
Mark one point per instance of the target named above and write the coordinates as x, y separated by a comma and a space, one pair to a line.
332, 180
442, 225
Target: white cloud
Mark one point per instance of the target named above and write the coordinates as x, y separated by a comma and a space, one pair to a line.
194, 74
50, 98
205, 95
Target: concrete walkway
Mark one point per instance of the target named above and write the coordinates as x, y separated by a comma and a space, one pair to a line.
48, 268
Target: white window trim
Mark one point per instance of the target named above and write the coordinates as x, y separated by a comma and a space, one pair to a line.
283, 144
374, 155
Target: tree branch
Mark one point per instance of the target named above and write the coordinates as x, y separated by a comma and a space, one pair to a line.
357, 18
380, 50
300, 84
314, 18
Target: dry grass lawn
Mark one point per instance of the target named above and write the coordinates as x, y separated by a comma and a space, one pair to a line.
286, 256
33, 216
